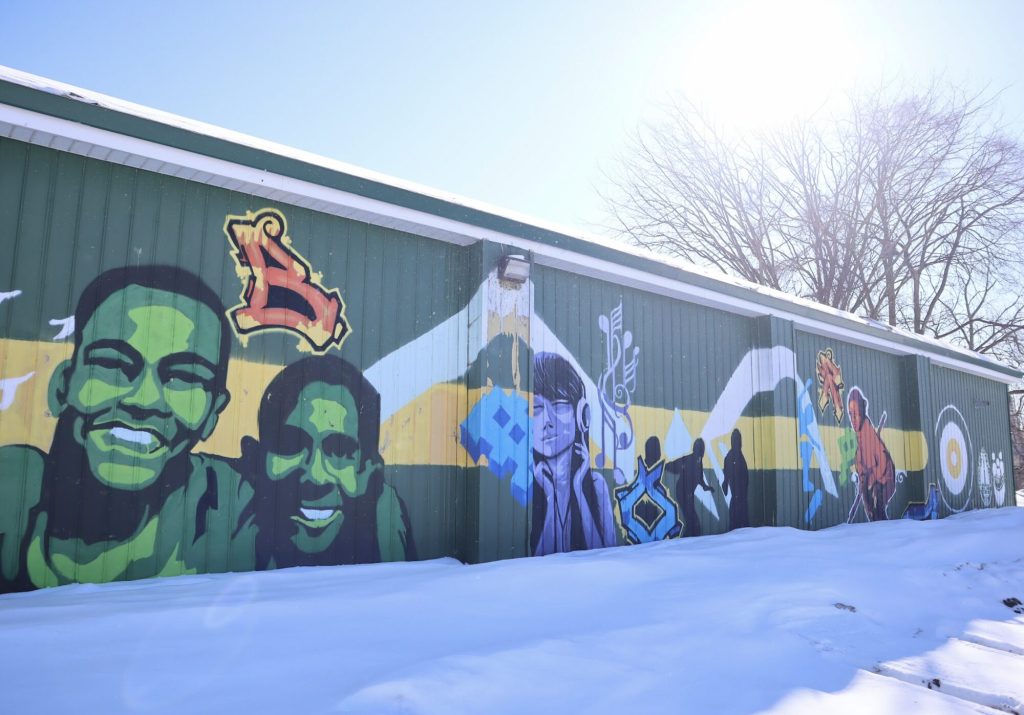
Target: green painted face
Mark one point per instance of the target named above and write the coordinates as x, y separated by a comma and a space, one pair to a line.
316, 455
142, 386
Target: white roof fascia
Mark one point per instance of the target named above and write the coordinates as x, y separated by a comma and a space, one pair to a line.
73, 137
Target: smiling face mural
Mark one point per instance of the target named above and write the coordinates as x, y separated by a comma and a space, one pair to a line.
119, 489
137, 403
318, 468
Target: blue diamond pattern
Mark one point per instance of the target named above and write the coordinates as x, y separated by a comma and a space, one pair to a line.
517, 433
497, 428
501, 417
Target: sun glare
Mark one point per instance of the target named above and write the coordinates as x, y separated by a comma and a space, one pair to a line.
761, 63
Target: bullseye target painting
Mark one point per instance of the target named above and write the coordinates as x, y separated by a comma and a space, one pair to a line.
955, 458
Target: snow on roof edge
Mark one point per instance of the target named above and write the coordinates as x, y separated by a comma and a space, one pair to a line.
49, 86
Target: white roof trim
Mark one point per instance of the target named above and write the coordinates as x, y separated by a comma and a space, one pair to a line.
46, 130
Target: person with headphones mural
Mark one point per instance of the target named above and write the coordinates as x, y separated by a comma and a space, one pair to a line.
571, 506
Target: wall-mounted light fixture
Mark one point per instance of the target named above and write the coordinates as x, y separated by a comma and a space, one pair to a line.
514, 268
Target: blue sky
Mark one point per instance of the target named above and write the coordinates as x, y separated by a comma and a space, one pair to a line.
522, 104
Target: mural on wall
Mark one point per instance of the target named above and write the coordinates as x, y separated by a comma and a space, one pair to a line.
306, 465
984, 479
689, 472
496, 432
956, 460
999, 479
809, 441
873, 465
830, 383
493, 431
280, 290
615, 390
926, 510
571, 505
864, 457
737, 479
648, 512
9, 388
145, 382
318, 473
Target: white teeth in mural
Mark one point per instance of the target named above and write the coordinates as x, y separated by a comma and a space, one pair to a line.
317, 514
132, 435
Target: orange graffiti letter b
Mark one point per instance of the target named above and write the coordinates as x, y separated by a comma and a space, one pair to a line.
279, 290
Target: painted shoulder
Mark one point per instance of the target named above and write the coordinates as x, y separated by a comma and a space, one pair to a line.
394, 535
21, 482
228, 479
224, 514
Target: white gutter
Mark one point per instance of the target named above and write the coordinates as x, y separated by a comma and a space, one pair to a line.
64, 135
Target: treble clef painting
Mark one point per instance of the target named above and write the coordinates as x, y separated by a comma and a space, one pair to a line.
615, 389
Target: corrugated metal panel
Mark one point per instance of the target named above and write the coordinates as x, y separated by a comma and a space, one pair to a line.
65, 219
567, 412
969, 437
686, 357
878, 378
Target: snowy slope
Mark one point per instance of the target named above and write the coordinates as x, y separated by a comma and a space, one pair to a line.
852, 619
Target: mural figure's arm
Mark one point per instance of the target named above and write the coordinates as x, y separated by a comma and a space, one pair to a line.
605, 516
877, 463
394, 532
545, 480
21, 480
860, 461
235, 509
702, 479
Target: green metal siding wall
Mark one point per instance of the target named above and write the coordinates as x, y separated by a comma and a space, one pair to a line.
687, 355
879, 377
493, 396
969, 416
65, 219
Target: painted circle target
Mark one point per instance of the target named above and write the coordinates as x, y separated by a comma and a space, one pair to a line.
956, 462
984, 479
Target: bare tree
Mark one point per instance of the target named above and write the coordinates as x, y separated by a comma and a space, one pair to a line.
905, 207
908, 210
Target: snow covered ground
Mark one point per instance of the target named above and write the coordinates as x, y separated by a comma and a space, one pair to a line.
858, 619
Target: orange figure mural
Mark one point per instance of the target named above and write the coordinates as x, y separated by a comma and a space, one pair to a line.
876, 473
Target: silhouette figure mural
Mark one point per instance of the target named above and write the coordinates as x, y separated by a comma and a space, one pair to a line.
689, 471
737, 479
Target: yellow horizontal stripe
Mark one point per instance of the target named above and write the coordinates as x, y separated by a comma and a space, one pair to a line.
423, 432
